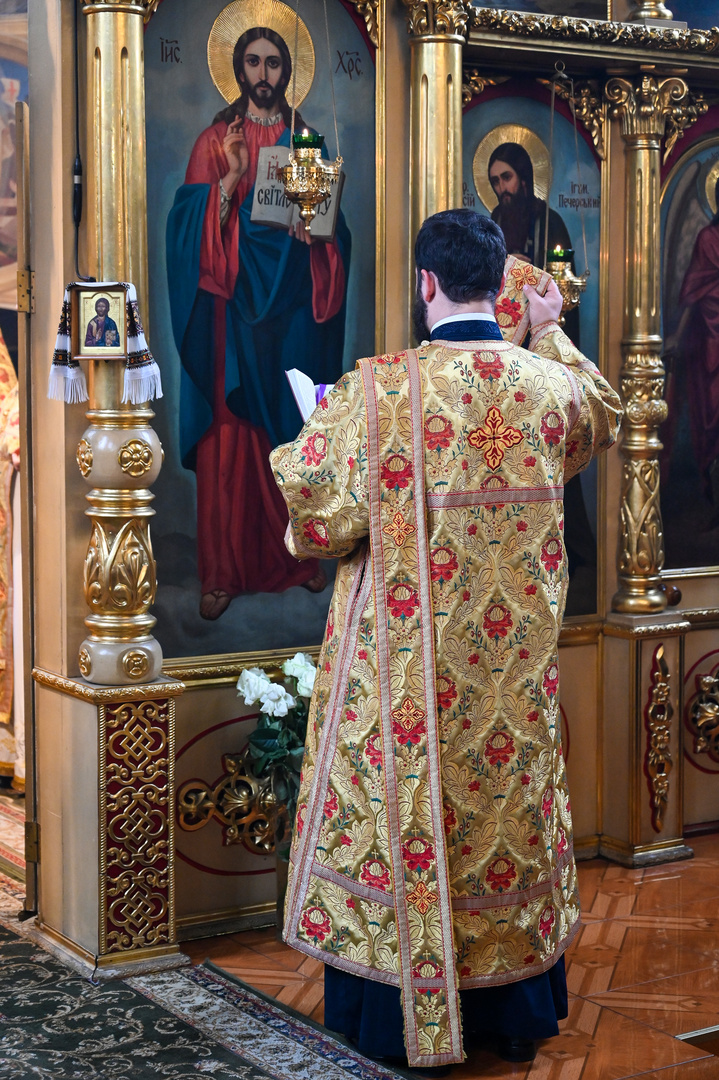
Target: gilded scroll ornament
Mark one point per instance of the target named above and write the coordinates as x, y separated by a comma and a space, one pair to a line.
135, 457
658, 717
83, 456
704, 716
588, 105
245, 806
136, 850
475, 82
368, 10
425, 17
579, 32
120, 569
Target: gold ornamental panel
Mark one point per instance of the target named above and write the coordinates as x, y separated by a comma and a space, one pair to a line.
135, 457
136, 823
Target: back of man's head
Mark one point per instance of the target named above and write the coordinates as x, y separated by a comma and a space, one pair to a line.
466, 251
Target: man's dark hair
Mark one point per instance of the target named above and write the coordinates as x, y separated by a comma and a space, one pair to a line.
466, 251
518, 159
102, 300
238, 108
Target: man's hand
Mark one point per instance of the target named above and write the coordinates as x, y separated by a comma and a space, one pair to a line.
237, 154
545, 308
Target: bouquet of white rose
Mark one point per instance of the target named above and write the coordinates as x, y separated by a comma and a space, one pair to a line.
277, 744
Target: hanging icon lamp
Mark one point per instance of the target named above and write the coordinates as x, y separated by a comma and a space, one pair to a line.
308, 178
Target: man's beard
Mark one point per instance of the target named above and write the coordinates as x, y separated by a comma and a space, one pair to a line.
260, 97
420, 329
513, 214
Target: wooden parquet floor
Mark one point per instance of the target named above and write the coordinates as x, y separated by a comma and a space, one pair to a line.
643, 970
257, 958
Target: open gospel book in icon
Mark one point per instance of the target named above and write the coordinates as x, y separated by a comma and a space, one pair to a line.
306, 394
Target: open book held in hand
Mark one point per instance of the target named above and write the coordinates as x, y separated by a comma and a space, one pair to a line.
306, 394
270, 205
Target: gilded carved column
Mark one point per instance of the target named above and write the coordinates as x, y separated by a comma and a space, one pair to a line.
437, 32
648, 108
119, 455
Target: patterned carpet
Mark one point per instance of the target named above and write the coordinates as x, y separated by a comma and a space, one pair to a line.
12, 837
57, 1025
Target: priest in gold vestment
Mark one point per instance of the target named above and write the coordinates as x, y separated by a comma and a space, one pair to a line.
432, 850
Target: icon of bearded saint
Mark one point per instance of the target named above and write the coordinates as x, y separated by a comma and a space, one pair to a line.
519, 213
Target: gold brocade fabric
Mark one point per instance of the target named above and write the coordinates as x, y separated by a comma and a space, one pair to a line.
9, 444
433, 826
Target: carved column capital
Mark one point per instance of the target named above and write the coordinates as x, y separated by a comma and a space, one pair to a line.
644, 105
447, 18
145, 8
654, 109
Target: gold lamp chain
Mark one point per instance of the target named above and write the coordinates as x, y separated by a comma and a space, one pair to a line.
332, 80
294, 77
551, 158
573, 107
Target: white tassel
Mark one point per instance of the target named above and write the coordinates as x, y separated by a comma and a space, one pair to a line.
56, 384
142, 384
75, 386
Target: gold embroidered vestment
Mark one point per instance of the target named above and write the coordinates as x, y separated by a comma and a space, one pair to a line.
433, 845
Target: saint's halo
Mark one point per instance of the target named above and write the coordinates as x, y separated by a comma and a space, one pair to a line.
710, 186
242, 15
538, 154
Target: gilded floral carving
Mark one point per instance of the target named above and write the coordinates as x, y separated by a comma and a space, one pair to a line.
546, 28
704, 716
135, 457
83, 456
658, 717
244, 805
120, 569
